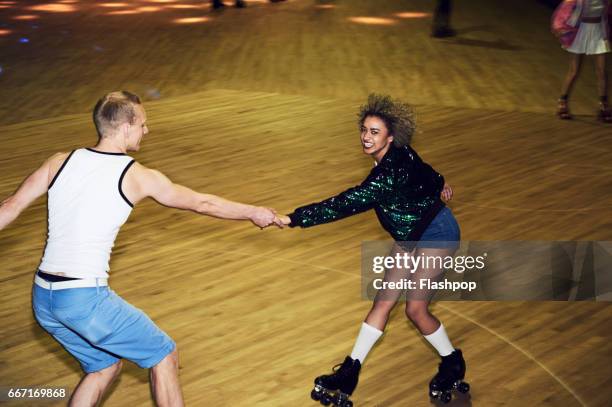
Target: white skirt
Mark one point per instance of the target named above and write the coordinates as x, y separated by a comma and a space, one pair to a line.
590, 39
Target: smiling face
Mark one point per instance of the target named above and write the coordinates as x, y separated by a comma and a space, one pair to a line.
375, 137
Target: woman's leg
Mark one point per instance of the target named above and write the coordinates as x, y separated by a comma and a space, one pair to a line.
602, 75
344, 380
417, 301
451, 370
572, 74
604, 114
385, 300
376, 320
568, 83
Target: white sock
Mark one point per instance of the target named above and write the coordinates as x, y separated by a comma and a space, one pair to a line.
439, 340
368, 336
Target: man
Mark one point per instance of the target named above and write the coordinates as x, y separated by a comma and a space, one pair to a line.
441, 27
91, 192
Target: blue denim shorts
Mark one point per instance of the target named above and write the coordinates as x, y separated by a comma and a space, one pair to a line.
442, 232
98, 327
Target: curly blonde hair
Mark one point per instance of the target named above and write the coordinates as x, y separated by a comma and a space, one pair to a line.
399, 117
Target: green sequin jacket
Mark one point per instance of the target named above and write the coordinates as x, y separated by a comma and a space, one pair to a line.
402, 189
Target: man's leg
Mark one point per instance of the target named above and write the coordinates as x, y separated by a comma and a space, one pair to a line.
92, 387
114, 327
441, 20
103, 367
165, 381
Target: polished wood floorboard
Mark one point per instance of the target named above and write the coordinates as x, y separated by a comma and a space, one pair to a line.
258, 105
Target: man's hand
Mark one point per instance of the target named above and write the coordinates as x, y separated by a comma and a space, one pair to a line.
447, 192
264, 217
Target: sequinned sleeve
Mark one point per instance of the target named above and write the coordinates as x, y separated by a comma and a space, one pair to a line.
355, 200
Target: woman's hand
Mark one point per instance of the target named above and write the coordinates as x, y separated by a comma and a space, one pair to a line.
285, 219
447, 192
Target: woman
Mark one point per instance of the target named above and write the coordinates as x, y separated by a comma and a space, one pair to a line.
583, 27
405, 192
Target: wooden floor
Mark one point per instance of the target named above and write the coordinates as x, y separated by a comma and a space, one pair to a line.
504, 57
258, 314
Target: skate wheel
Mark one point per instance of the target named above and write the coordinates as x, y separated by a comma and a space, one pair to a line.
433, 394
325, 399
463, 387
315, 395
446, 397
347, 403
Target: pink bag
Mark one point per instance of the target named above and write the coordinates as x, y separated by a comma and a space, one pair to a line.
559, 26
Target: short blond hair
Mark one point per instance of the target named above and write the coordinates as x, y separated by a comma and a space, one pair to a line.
113, 110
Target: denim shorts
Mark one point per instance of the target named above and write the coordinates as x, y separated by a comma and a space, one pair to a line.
99, 328
442, 233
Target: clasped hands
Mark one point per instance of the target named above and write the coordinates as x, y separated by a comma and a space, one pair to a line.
264, 217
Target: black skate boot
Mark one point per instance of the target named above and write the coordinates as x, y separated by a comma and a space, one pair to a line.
337, 387
451, 372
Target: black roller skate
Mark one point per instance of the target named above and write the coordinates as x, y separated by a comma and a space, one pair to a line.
604, 114
451, 372
337, 387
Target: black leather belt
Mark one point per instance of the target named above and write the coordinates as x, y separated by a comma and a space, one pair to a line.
53, 278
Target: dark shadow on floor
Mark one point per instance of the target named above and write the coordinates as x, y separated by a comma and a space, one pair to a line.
476, 28
498, 44
458, 400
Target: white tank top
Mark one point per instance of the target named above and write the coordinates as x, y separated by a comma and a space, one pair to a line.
86, 208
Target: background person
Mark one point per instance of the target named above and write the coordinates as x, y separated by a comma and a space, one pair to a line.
583, 27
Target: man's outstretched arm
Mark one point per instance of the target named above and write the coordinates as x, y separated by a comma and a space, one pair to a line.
35, 185
144, 182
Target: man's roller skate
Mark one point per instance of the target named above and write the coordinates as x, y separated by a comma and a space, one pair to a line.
337, 387
449, 377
